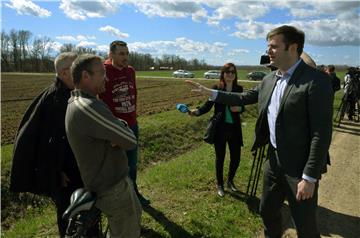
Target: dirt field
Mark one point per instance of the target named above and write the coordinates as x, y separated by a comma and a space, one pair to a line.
339, 191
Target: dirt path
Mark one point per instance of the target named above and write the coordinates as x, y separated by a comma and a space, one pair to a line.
339, 191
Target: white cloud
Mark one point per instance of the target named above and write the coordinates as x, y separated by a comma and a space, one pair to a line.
113, 31
241, 10
81, 10
75, 38
330, 24
86, 44
180, 46
66, 38
56, 46
252, 30
102, 48
238, 51
27, 7
171, 9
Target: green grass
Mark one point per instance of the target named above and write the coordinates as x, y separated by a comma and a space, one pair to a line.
36, 223
184, 202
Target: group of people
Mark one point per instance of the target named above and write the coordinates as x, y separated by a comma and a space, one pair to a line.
351, 86
82, 131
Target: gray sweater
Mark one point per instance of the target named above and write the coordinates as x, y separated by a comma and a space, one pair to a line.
92, 131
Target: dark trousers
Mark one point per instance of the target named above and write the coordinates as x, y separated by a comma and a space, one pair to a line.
227, 134
276, 187
61, 198
133, 158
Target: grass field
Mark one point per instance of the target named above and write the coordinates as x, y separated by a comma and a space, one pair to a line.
154, 95
176, 167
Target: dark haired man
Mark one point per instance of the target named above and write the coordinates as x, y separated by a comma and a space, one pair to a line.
99, 141
121, 97
295, 118
335, 81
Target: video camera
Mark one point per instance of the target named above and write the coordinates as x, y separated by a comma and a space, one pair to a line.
265, 59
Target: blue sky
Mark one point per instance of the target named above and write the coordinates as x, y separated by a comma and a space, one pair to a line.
213, 30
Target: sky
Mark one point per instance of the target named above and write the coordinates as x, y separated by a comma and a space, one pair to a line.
217, 31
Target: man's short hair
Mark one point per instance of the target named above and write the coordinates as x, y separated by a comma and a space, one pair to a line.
81, 63
331, 68
115, 44
64, 60
291, 35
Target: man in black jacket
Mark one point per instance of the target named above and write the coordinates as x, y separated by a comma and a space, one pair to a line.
43, 162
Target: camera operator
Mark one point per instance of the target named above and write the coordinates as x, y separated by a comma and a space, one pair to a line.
351, 90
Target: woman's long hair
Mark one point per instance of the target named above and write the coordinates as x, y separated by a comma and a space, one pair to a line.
222, 83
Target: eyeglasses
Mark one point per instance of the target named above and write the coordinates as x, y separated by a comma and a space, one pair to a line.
230, 71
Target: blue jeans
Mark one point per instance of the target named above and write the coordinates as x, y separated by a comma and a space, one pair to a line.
133, 158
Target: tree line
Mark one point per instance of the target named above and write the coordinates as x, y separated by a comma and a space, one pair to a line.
21, 52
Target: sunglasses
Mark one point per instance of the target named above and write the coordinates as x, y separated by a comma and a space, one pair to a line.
227, 71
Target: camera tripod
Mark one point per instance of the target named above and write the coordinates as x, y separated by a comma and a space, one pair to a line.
344, 108
259, 155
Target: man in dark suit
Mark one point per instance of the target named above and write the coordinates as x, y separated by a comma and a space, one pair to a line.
295, 118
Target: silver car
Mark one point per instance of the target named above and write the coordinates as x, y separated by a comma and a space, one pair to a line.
183, 74
212, 74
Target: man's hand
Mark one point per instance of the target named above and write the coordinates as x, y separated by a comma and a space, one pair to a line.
199, 88
305, 190
193, 112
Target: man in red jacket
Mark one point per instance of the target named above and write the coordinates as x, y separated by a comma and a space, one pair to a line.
120, 95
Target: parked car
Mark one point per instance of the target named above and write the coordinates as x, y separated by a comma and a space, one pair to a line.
212, 74
256, 75
183, 74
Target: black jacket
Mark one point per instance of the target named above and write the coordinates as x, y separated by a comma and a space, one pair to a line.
220, 108
41, 149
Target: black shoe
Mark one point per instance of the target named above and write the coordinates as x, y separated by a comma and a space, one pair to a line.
220, 191
143, 200
231, 186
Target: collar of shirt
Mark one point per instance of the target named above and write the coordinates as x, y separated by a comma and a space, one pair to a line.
289, 72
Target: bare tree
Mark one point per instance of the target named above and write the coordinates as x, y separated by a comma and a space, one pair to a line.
42, 47
68, 48
24, 37
84, 50
5, 52
14, 41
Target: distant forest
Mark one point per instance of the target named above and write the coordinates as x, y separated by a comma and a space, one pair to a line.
21, 52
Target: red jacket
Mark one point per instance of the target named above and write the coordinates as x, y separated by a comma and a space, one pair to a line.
120, 92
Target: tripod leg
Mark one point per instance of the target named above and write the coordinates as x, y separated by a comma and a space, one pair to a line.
251, 172
259, 170
344, 109
256, 171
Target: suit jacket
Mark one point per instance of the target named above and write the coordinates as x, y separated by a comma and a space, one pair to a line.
220, 108
304, 122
